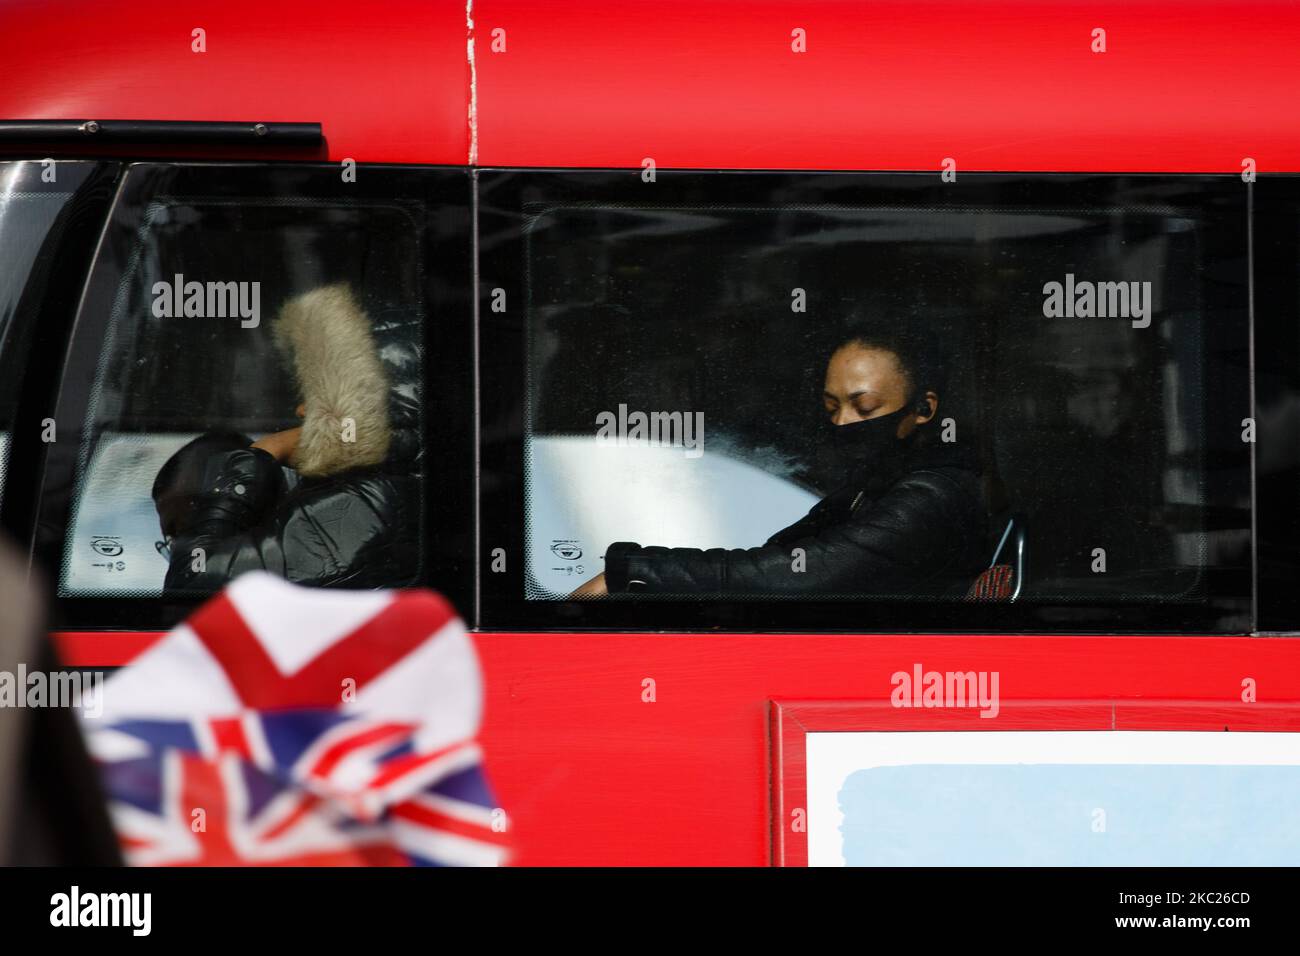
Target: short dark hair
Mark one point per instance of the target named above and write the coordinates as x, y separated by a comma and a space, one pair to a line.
181, 476
919, 356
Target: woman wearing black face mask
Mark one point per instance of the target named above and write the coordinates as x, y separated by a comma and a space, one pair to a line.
908, 519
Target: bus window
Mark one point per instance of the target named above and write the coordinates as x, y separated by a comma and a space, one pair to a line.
868, 402
245, 386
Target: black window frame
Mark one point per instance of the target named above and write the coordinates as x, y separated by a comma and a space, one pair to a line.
477, 248
1275, 303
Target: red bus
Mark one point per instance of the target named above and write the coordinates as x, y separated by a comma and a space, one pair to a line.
663, 209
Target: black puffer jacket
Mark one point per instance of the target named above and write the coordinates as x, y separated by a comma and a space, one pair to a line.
355, 528
920, 530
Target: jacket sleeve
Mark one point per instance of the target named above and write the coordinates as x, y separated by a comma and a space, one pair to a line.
905, 534
241, 489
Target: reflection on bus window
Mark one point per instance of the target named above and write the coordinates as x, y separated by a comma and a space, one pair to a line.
257, 404
885, 402
27, 218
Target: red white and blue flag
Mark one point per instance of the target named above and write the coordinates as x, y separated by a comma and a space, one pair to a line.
289, 726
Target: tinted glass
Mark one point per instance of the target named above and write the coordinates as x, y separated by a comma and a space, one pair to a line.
1093, 332
181, 335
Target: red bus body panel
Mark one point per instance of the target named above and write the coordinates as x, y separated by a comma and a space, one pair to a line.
1000, 85
387, 81
893, 85
593, 775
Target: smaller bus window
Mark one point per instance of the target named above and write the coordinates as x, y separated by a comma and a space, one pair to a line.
254, 395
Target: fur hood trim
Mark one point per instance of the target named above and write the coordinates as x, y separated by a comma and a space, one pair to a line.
331, 347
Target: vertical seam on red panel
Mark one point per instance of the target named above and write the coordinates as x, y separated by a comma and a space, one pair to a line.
472, 106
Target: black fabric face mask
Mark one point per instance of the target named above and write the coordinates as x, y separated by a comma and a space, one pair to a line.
871, 444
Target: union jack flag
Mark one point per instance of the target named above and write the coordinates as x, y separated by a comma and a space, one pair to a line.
288, 726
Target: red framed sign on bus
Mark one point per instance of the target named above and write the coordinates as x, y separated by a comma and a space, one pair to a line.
929, 780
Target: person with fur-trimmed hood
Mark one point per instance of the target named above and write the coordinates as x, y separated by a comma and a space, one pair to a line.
352, 518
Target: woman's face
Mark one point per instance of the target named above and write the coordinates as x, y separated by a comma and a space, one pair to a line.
864, 383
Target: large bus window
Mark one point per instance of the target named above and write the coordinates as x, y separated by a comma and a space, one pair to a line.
244, 388
868, 402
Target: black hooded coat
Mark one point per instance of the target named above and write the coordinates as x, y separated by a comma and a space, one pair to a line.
352, 517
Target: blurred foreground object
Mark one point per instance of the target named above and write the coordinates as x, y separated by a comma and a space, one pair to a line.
51, 808
280, 725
